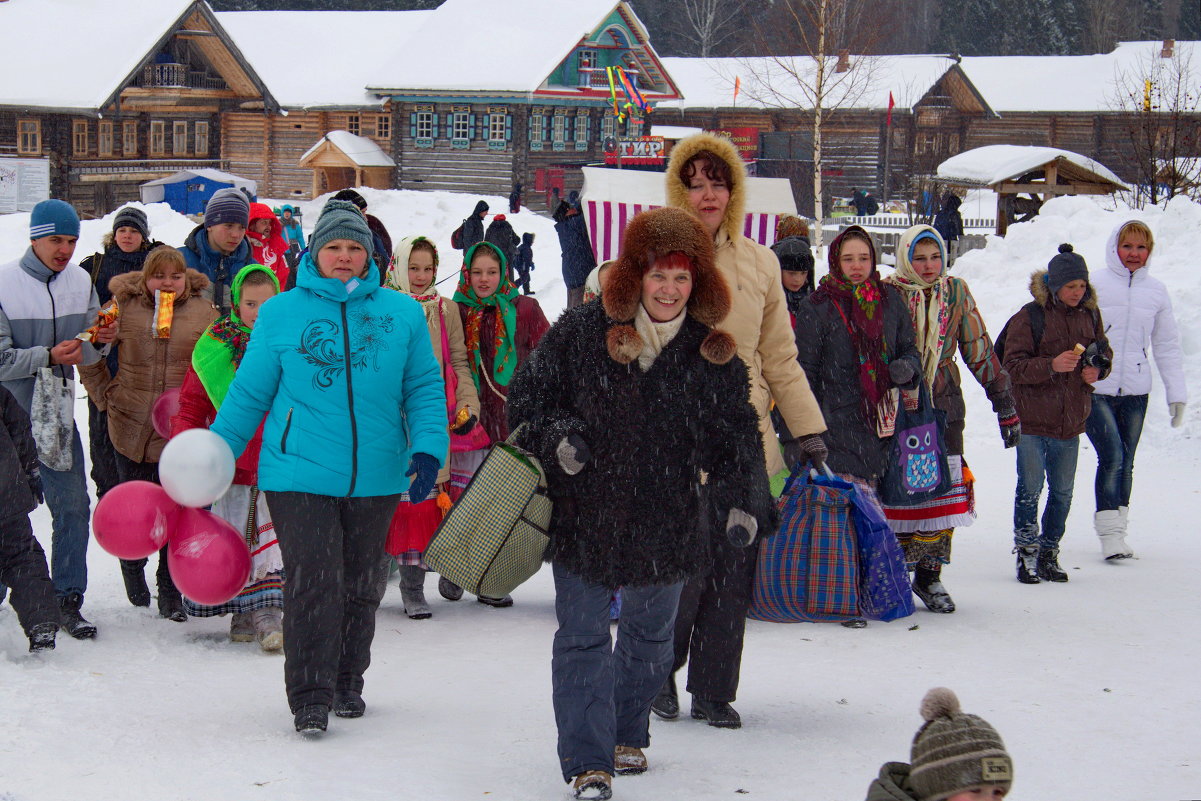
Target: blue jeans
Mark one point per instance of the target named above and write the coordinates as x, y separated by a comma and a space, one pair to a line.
1113, 427
602, 694
1056, 459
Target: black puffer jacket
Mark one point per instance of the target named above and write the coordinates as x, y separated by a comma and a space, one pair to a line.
473, 226
673, 449
111, 262
826, 352
18, 458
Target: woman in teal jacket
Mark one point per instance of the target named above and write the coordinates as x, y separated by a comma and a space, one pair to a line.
347, 379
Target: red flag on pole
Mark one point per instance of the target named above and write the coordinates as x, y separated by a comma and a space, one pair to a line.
737, 88
891, 103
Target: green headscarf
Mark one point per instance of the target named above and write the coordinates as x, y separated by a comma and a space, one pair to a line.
220, 348
505, 362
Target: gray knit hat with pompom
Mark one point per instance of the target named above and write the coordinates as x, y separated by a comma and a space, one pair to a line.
953, 751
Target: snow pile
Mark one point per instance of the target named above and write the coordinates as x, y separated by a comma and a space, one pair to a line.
992, 163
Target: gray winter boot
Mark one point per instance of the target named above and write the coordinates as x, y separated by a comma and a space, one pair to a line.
412, 592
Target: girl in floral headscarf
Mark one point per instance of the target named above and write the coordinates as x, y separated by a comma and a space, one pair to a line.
414, 271
500, 328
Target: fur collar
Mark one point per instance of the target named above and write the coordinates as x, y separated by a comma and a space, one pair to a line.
1041, 292
723, 148
652, 233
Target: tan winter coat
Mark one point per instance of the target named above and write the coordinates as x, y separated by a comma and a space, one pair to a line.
148, 366
758, 318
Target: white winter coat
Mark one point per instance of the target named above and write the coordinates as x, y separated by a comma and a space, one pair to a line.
1137, 313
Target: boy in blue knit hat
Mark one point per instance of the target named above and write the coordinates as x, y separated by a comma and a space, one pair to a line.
48, 301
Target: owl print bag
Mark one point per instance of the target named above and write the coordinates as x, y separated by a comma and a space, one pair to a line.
917, 468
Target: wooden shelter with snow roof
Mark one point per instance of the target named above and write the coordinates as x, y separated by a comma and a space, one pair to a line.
342, 160
1025, 177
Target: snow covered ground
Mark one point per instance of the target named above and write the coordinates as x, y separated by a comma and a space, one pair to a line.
1090, 683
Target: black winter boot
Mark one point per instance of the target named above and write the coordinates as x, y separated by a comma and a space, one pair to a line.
133, 572
927, 585
41, 637
349, 704
311, 719
170, 602
72, 621
448, 589
667, 704
1027, 564
1048, 566
716, 713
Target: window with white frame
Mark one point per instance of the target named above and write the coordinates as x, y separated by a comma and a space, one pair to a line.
129, 138
104, 138
29, 137
425, 124
158, 137
497, 126
79, 137
587, 66
461, 125
582, 129
202, 139
537, 129
179, 138
558, 131
608, 127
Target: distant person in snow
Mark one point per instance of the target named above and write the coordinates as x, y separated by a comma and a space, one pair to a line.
954, 757
949, 224
1055, 350
500, 233
865, 205
471, 232
1138, 312
575, 248
292, 231
523, 265
515, 199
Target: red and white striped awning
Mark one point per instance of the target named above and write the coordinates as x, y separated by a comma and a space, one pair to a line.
607, 221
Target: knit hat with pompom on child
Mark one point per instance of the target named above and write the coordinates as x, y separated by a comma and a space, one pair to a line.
1067, 266
953, 751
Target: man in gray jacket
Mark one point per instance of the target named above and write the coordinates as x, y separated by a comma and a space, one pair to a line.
45, 301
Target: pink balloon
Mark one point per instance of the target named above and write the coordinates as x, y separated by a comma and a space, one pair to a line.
165, 407
208, 558
133, 519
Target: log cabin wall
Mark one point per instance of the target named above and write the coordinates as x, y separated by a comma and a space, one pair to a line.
431, 157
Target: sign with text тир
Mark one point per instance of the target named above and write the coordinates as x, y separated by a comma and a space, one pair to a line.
637, 150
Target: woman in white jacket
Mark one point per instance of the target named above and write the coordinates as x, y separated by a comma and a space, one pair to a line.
1137, 312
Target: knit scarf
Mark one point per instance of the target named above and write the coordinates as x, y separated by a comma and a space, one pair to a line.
220, 349
655, 335
504, 363
927, 301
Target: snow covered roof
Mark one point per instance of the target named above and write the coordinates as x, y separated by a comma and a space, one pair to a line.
991, 164
74, 54
769, 82
321, 59
491, 47
359, 149
1064, 83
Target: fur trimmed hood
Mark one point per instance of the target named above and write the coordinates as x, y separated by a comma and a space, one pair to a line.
127, 286
723, 148
650, 235
1041, 291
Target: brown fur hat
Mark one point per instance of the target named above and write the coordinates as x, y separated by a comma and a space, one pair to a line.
649, 235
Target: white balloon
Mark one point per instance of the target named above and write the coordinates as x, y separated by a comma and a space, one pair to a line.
196, 467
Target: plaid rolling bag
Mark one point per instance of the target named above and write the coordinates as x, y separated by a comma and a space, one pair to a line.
493, 538
809, 571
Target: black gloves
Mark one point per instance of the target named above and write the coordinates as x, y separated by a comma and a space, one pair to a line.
466, 427
741, 528
809, 448
573, 453
901, 372
1011, 427
35, 486
424, 469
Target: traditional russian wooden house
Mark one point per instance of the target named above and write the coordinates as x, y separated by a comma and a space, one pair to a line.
487, 94
864, 144
112, 94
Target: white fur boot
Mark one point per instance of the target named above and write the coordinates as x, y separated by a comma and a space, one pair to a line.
1111, 529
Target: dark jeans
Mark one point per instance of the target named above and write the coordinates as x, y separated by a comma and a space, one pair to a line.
67, 496
523, 281
332, 548
1114, 427
104, 456
1056, 459
712, 621
23, 569
602, 693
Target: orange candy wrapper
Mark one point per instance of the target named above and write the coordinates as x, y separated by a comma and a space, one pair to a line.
164, 312
461, 417
107, 316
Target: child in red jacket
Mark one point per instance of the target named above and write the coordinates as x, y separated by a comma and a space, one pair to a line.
258, 609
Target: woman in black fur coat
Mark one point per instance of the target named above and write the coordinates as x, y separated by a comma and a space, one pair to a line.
640, 411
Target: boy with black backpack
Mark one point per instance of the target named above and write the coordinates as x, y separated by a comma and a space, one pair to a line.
1054, 351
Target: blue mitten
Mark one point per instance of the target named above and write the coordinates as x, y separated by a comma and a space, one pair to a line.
424, 469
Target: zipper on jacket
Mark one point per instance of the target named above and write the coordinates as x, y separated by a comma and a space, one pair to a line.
283, 440
53, 326
354, 432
